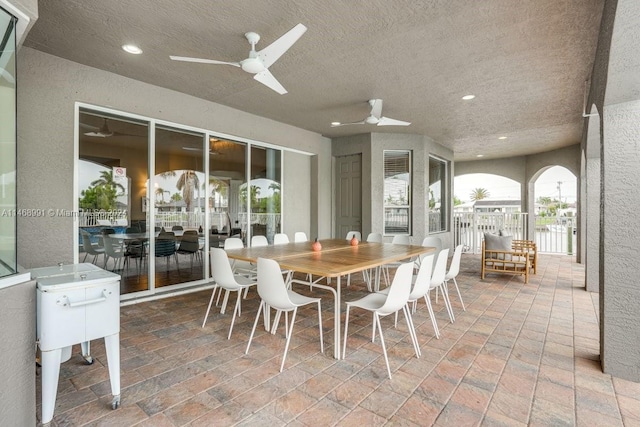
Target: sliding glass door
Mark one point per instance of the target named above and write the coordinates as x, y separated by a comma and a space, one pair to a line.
8, 213
154, 197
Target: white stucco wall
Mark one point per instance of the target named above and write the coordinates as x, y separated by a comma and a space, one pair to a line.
49, 87
371, 146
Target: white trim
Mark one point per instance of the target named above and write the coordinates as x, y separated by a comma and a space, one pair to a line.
23, 21
234, 138
14, 279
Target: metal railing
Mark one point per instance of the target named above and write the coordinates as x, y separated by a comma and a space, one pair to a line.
551, 234
469, 227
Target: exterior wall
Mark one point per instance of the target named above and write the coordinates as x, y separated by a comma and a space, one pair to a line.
620, 241
17, 358
615, 93
371, 146
297, 206
49, 87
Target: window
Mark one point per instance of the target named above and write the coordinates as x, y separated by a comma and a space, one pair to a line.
397, 192
438, 195
8, 213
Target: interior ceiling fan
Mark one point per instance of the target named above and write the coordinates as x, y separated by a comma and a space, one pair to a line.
215, 147
103, 131
375, 117
258, 62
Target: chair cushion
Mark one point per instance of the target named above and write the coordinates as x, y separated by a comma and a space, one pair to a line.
494, 242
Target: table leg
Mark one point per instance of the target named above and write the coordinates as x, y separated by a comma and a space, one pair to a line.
336, 322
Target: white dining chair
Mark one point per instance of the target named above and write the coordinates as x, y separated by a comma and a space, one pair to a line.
280, 239
227, 280
259, 241
300, 236
382, 305
437, 280
274, 294
454, 269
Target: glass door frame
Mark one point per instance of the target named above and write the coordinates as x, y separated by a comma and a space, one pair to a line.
179, 288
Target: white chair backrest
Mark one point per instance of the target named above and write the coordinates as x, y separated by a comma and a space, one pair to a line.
440, 269
374, 237
300, 236
271, 286
280, 239
259, 241
233, 243
433, 242
221, 268
399, 290
454, 268
423, 278
350, 235
401, 240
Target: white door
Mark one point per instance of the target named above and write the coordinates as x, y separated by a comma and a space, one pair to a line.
348, 195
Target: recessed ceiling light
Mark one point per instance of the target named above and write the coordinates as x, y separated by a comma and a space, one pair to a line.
502, 137
335, 123
131, 48
480, 155
468, 97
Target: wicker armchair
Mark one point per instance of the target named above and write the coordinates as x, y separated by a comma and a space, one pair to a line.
519, 260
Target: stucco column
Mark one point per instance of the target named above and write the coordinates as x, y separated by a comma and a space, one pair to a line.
592, 224
620, 242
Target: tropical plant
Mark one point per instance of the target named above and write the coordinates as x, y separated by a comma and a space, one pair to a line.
188, 183
456, 201
98, 198
479, 194
176, 197
106, 180
160, 192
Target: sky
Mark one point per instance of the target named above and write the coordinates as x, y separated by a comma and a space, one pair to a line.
504, 188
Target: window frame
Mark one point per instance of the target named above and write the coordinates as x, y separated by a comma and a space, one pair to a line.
443, 213
408, 206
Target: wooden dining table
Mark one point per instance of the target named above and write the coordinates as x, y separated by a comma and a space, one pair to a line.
337, 258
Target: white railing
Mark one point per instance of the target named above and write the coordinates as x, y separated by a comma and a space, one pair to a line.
552, 235
556, 235
102, 218
469, 227
167, 220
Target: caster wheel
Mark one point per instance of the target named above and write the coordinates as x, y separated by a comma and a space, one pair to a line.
88, 360
115, 404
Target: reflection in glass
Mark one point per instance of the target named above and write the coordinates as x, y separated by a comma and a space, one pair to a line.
263, 192
112, 176
8, 213
397, 192
179, 201
438, 207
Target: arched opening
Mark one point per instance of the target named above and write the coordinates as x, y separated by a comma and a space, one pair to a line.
555, 193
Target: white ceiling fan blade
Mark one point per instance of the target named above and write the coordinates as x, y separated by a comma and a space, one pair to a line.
271, 53
386, 121
345, 124
266, 78
376, 108
203, 61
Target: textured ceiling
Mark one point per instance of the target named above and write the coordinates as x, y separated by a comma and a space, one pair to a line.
526, 61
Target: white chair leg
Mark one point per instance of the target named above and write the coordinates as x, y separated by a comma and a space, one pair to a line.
376, 319
320, 327
346, 329
224, 301
213, 294
412, 330
289, 333
253, 330
459, 296
233, 319
432, 316
447, 303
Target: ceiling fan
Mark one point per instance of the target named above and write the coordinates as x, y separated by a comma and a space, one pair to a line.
214, 147
258, 62
103, 131
375, 117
